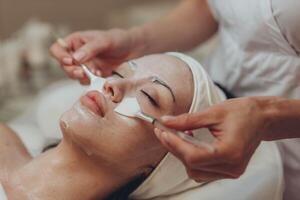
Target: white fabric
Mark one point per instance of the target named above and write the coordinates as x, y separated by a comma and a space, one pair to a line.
261, 181
258, 55
286, 14
2, 193
170, 181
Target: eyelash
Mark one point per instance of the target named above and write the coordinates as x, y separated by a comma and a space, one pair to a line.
116, 73
153, 102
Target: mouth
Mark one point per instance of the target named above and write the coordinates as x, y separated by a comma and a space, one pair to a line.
95, 102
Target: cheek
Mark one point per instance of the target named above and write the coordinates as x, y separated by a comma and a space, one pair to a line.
114, 138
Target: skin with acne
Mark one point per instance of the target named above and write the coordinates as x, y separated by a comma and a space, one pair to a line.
102, 150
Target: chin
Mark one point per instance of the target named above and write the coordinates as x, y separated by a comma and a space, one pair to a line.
80, 125
97, 135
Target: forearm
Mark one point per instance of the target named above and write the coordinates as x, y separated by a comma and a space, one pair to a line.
187, 26
282, 118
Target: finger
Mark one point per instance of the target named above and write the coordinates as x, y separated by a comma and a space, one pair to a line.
69, 71
84, 81
90, 50
189, 154
189, 121
101, 67
61, 54
74, 41
206, 176
74, 72
79, 73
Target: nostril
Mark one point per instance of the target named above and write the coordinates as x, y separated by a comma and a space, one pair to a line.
110, 90
114, 91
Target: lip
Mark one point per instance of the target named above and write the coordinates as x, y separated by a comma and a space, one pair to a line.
95, 102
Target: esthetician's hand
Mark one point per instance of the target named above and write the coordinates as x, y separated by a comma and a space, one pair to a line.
237, 126
101, 51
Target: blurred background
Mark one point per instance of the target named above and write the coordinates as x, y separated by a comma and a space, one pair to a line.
29, 27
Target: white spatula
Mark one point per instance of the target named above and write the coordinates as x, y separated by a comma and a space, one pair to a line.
130, 107
96, 82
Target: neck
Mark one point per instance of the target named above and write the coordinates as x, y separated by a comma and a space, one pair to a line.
69, 173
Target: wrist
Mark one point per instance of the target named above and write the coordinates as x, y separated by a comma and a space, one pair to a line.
138, 36
271, 113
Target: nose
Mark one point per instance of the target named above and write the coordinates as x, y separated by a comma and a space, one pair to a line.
116, 89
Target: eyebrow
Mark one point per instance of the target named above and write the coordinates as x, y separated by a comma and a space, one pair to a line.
155, 79
163, 83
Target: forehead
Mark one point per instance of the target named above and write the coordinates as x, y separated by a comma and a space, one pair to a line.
168, 68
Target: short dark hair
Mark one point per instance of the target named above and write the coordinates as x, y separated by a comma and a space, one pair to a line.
124, 192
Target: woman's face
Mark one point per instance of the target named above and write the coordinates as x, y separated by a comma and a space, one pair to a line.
118, 140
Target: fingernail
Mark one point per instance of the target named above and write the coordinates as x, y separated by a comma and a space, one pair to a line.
67, 61
167, 118
79, 55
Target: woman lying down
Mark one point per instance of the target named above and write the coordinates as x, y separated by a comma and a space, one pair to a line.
104, 155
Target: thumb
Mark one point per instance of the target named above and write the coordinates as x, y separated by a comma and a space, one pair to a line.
90, 50
189, 121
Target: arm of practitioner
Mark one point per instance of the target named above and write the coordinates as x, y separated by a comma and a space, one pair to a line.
188, 25
239, 125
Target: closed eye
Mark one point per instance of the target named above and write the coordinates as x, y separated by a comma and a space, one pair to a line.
116, 73
151, 99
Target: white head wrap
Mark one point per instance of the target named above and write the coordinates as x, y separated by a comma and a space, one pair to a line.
170, 176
